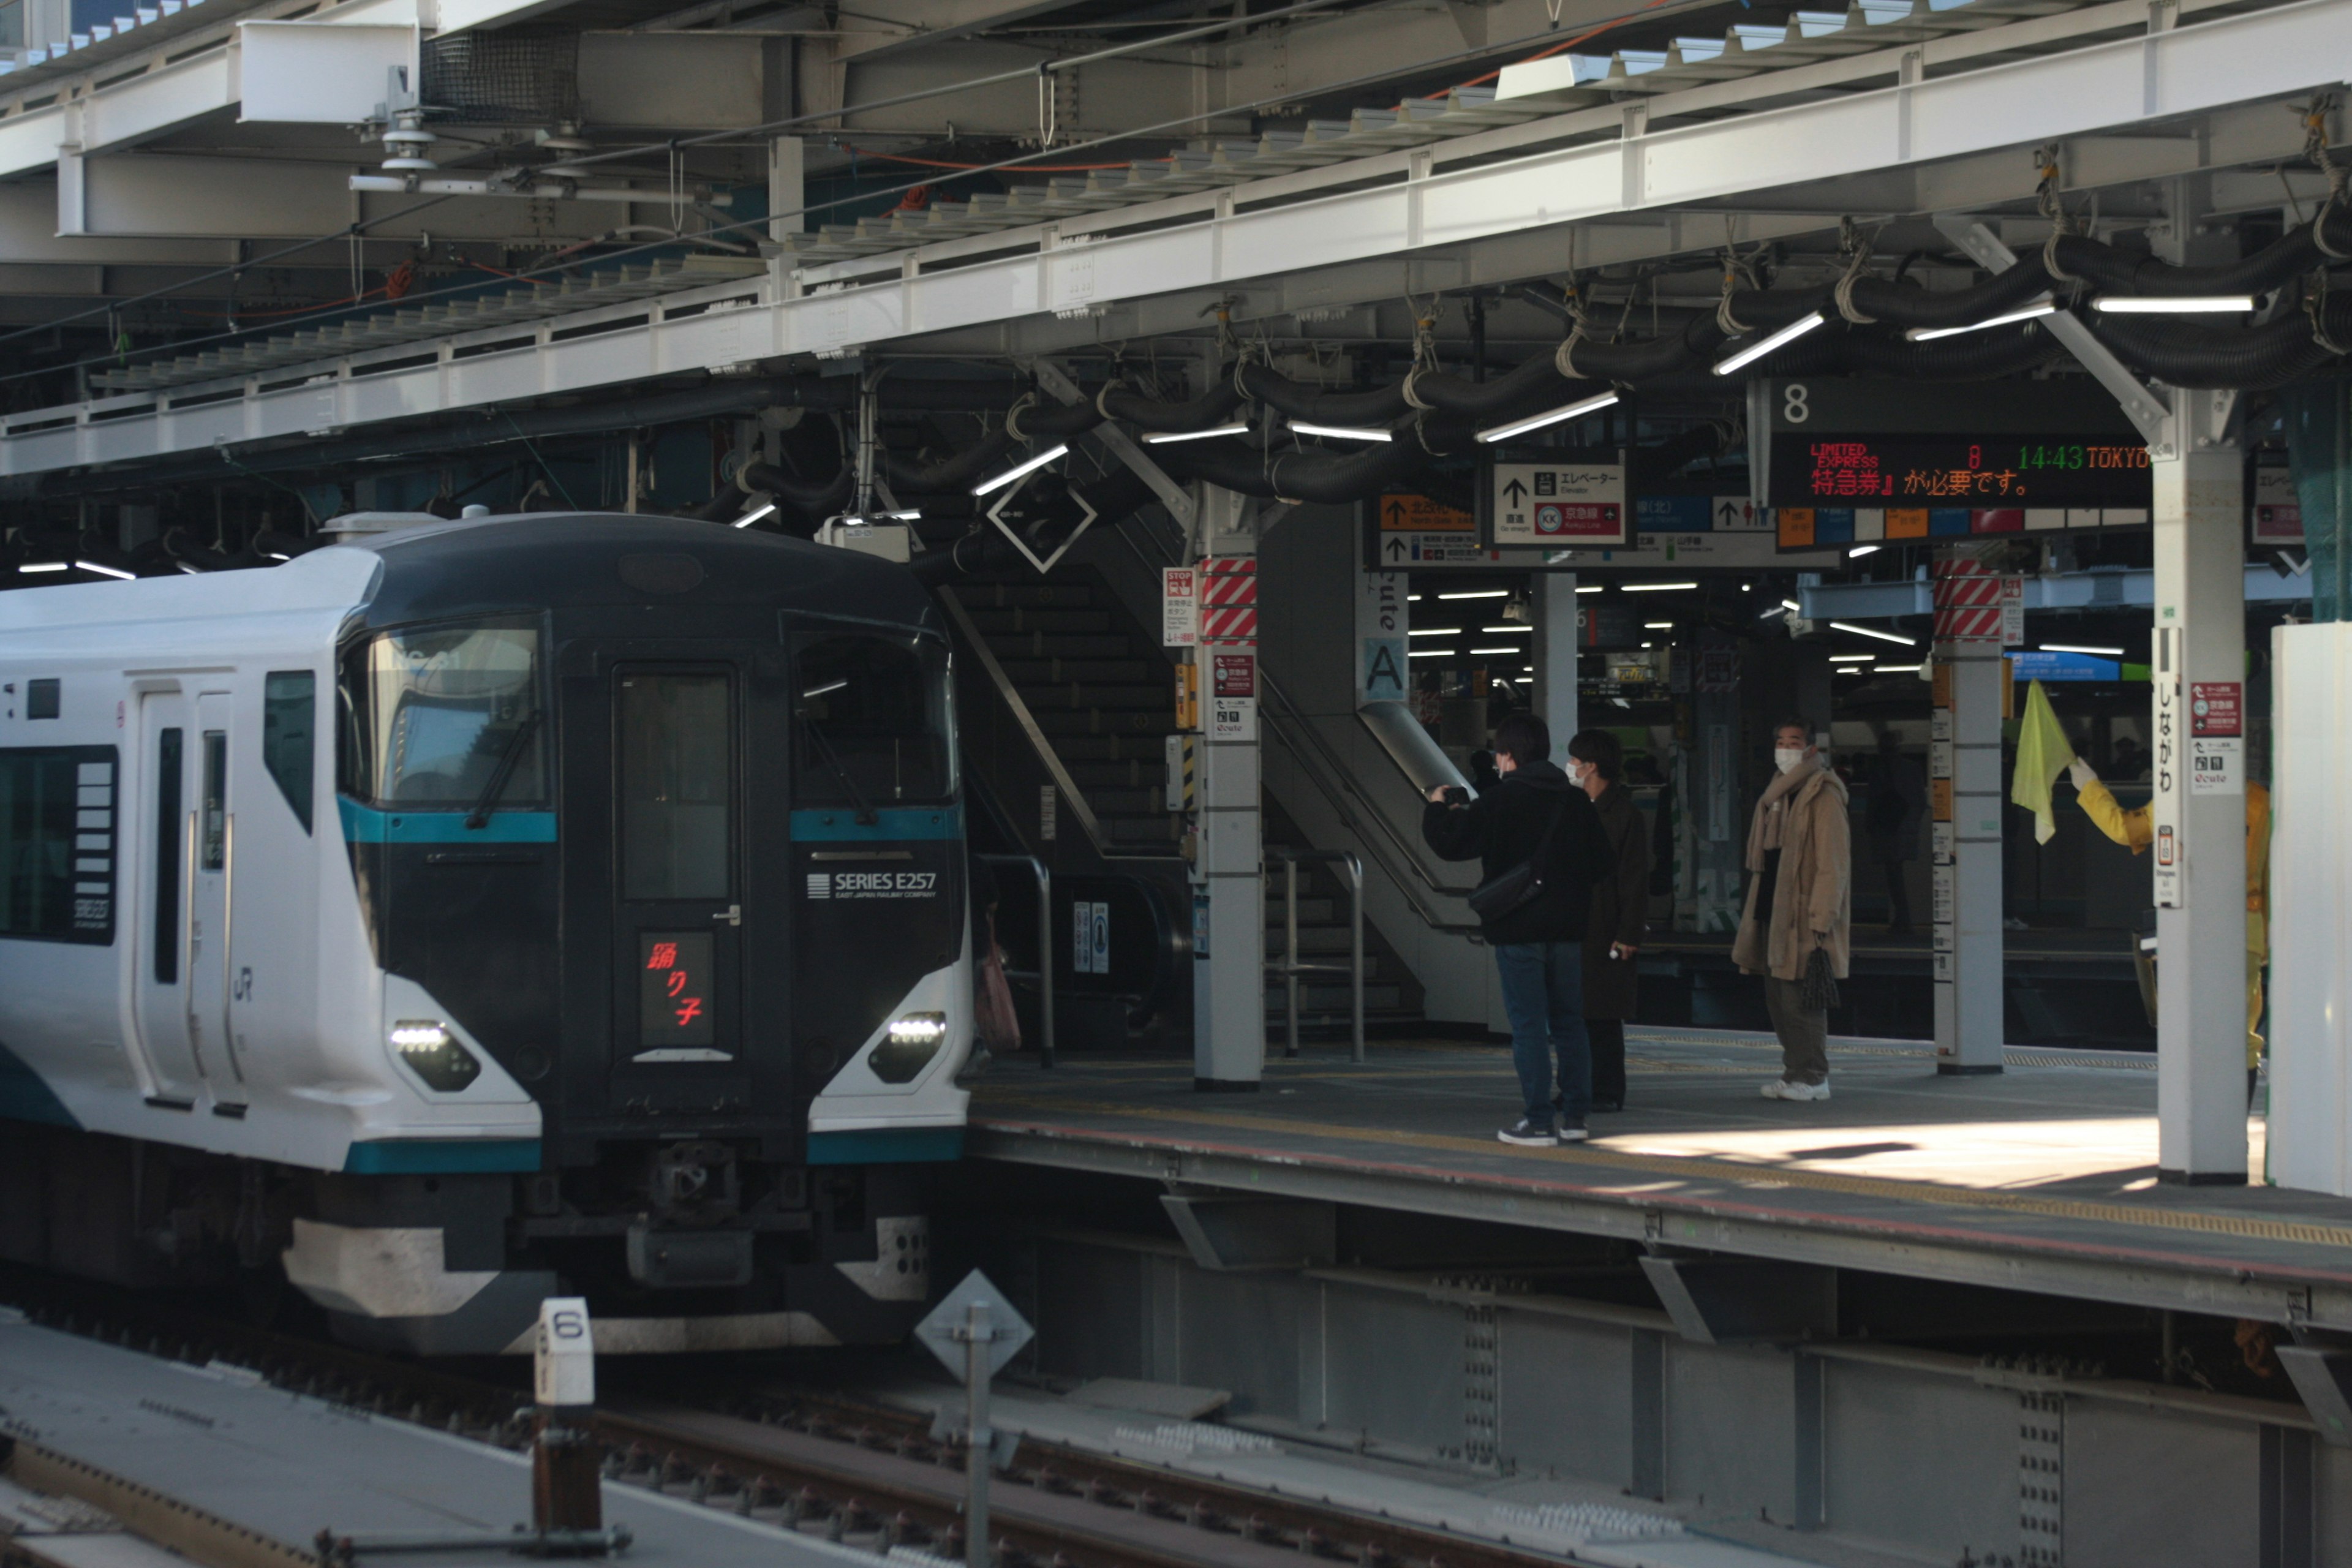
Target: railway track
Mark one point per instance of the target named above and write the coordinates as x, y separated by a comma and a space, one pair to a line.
813, 1462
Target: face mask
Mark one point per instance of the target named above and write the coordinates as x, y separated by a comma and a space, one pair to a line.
1785, 758
1576, 772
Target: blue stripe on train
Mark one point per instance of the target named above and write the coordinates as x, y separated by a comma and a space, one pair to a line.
896, 824
885, 1146
25, 1096
366, 825
441, 1156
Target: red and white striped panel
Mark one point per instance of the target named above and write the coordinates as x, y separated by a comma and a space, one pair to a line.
1229, 599
1968, 602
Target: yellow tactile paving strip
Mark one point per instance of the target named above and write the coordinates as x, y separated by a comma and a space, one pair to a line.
2151, 1217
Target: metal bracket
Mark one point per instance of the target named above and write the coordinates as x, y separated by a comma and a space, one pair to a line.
1716, 1301
1176, 498
2142, 405
1227, 1234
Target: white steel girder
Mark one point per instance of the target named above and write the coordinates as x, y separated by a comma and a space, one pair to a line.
1436, 226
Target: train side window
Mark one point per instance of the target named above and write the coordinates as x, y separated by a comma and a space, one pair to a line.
440, 717
213, 831
168, 772
875, 721
41, 698
57, 844
289, 704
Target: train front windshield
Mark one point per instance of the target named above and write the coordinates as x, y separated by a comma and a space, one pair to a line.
445, 717
876, 724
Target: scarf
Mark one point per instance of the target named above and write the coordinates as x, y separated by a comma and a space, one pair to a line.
1772, 811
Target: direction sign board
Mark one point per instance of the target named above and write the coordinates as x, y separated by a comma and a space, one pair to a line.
1559, 502
1036, 516
946, 1328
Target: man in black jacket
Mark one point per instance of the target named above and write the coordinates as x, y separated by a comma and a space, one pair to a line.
1539, 951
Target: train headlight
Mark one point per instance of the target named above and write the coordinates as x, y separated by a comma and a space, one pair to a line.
907, 1046
433, 1054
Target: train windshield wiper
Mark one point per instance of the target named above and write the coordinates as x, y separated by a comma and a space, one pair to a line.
480, 816
866, 816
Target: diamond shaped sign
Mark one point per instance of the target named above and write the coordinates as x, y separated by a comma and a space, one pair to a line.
1016, 515
948, 1325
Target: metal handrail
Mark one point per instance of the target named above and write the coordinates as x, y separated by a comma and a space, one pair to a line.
1010, 696
1290, 969
1044, 970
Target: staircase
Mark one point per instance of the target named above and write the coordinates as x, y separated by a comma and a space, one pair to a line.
1102, 693
1392, 997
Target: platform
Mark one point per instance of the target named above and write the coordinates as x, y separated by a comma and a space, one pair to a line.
2041, 1178
243, 1463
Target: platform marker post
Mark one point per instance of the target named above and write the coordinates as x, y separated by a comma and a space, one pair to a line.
1228, 884
1966, 787
566, 1488
975, 1331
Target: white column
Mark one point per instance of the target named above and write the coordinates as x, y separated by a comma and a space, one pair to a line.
2199, 813
1967, 788
1228, 912
1554, 602
784, 187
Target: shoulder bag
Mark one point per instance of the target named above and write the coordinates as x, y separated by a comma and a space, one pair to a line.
1507, 891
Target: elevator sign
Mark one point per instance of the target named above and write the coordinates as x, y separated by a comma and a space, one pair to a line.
2217, 759
1560, 504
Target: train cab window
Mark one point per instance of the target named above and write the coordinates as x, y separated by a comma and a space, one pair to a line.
876, 723
289, 703
444, 716
677, 784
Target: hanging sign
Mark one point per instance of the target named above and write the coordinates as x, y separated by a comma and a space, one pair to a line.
1557, 504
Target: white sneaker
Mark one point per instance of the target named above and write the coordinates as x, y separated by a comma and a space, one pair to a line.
1781, 1088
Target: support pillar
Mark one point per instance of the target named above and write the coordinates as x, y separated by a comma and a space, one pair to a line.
785, 195
1967, 818
2199, 809
1558, 638
1228, 894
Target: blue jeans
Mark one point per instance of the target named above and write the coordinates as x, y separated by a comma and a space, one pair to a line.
1543, 995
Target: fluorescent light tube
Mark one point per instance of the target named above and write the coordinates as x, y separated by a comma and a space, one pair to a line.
1859, 551
1509, 631
1657, 626
1873, 632
45, 566
1051, 455
1589, 587
1338, 432
1754, 351
1785, 607
1479, 593
1162, 437
1430, 653
1476, 651
1433, 632
1929, 334
755, 514
112, 570
1852, 657
2185, 305
1538, 421
1899, 669
2077, 647
1654, 587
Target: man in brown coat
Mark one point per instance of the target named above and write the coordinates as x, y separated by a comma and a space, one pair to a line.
1620, 906
1800, 904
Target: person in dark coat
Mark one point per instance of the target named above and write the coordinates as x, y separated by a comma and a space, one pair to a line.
1538, 953
1619, 915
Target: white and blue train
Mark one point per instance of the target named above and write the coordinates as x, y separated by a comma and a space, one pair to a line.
463, 913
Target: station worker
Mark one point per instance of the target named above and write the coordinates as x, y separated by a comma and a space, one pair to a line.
2130, 827
1542, 848
1796, 931
1620, 914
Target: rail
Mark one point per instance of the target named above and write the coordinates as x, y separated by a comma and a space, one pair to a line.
1043, 975
1050, 759
1290, 968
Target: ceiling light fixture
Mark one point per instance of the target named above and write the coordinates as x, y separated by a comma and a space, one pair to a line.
1164, 437
1589, 587
764, 509
1859, 551
1479, 593
2078, 647
45, 566
1538, 421
110, 570
1338, 432
1929, 334
1785, 335
1873, 632
1852, 657
2180, 305
1432, 631
1655, 587
1018, 470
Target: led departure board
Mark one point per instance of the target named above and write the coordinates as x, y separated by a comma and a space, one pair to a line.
1961, 470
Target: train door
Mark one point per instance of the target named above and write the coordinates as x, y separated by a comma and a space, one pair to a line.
211, 901
679, 883
167, 751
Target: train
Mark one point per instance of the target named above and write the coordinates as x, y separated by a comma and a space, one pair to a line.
464, 913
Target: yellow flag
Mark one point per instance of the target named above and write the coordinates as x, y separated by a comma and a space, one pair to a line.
2042, 753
